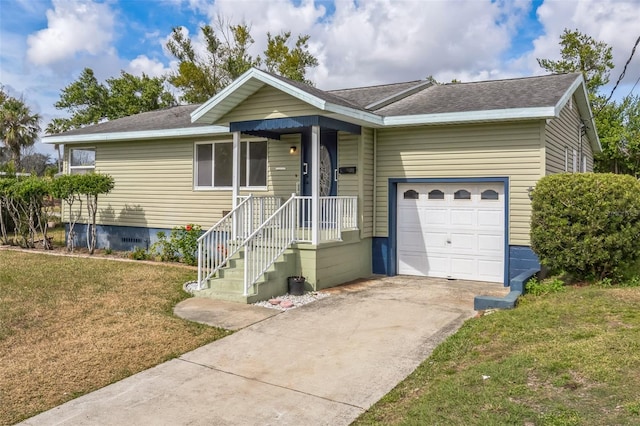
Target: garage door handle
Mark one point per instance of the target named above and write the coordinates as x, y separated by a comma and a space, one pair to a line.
448, 240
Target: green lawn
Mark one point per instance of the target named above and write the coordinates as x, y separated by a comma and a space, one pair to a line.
570, 358
72, 325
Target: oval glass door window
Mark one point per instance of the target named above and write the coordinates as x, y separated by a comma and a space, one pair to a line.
325, 171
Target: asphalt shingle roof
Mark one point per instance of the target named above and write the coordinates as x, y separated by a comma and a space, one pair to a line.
363, 96
530, 92
171, 118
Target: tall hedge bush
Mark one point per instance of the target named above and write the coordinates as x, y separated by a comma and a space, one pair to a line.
587, 225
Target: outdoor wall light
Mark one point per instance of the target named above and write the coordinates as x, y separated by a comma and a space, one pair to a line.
530, 192
292, 150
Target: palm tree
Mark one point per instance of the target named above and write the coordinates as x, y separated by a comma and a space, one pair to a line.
19, 128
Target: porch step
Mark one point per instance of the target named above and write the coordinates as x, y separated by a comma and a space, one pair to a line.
229, 284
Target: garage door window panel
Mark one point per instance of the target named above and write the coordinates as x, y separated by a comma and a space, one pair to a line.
462, 194
489, 194
411, 195
436, 194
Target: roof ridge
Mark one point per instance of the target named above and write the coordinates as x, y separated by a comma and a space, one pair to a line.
531, 77
375, 86
381, 103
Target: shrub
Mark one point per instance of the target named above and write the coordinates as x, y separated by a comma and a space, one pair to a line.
587, 225
139, 253
182, 244
540, 288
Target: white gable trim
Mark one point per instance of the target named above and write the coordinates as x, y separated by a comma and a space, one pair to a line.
137, 135
579, 89
204, 113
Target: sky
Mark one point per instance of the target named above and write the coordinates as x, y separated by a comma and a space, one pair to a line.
45, 44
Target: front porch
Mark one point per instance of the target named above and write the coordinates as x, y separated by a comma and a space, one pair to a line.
249, 254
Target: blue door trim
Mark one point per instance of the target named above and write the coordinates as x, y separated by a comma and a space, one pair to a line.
392, 257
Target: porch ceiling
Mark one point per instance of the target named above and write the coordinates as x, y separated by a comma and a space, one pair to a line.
273, 128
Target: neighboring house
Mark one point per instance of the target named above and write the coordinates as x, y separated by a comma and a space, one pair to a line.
407, 178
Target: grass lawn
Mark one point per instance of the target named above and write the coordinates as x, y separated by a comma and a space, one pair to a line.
570, 358
72, 325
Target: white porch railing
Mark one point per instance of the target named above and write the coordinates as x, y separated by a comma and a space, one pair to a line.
268, 242
337, 214
265, 228
222, 241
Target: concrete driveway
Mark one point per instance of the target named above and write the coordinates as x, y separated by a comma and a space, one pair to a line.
321, 364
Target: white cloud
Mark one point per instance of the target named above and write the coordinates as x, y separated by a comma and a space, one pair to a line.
151, 67
611, 21
379, 41
74, 26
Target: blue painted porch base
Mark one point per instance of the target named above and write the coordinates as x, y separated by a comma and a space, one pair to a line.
521, 258
121, 238
380, 255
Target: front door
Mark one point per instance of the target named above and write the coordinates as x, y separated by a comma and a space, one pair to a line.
328, 163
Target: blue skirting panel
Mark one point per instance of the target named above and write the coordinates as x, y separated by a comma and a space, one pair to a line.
122, 238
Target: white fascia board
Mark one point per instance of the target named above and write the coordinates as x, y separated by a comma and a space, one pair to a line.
367, 117
567, 95
141, 135
290, 90
264, 78
579, 88
472, 116
215, 100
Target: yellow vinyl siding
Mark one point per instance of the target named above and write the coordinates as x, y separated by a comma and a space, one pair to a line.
348, 156
357, 150
486, 150
283, 167
268, 102
365, 170
154, 182
562, 132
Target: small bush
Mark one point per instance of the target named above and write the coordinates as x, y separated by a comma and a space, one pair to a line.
548, 286
139, 253
181, 245
631, 282
587, 225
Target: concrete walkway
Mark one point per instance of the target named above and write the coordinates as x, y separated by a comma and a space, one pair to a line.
322, 364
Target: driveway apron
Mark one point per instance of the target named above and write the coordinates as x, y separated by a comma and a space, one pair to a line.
321, 364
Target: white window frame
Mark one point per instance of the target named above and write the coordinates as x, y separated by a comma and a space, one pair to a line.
81, 169
566, 158
584, 163
575, 160
213, 187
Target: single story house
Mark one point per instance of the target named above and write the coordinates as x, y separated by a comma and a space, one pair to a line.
407, 178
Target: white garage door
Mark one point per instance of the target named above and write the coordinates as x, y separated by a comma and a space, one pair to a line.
451, 230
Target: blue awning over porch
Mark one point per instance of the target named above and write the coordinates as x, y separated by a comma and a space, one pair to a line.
273, 128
